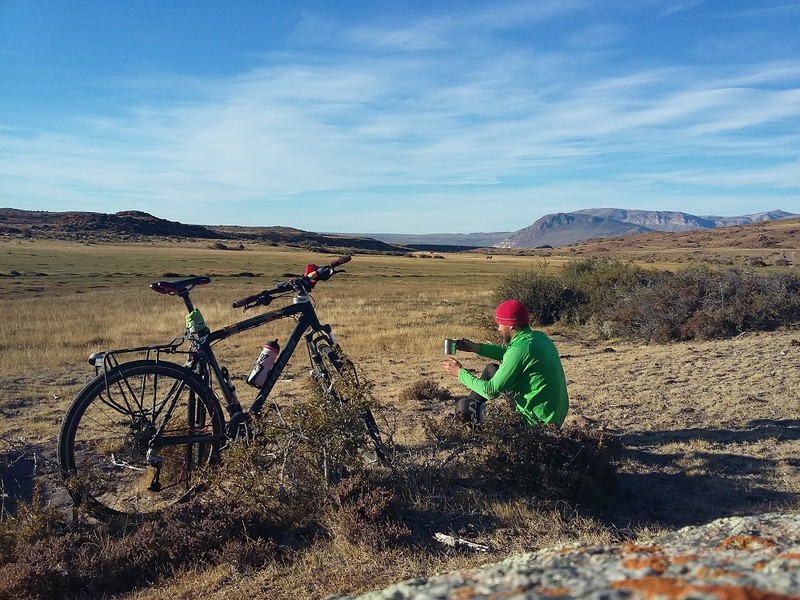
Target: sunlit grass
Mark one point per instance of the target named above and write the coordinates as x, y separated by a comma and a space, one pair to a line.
691, 413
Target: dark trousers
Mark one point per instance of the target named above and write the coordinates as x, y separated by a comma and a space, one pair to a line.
469, 408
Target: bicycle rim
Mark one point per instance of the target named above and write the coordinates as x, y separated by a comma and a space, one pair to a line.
137, 439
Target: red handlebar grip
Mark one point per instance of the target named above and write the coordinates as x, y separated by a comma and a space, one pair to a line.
340, 261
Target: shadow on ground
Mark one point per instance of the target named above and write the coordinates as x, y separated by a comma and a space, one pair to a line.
692, 476
23, 468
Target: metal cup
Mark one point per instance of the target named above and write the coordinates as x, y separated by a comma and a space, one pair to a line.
449, 346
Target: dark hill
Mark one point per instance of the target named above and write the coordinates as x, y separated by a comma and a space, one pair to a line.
127, 225
70, 224
298, 237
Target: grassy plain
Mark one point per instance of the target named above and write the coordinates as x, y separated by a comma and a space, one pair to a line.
711, 429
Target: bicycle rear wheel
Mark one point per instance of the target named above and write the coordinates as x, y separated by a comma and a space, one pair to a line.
135, 440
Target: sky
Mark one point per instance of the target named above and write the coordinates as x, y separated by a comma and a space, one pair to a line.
394, 116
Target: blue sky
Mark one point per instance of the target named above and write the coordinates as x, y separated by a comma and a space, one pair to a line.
399, 116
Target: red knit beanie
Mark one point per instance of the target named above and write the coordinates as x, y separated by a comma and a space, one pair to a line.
512, 312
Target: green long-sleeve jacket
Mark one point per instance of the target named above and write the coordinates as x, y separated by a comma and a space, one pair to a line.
531, 370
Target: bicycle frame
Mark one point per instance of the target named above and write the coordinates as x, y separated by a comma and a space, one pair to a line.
307, 326
203, 361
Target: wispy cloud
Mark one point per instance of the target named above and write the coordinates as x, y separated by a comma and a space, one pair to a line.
428, 123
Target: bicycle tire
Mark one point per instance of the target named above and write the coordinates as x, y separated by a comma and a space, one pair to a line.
333, 362
121, 414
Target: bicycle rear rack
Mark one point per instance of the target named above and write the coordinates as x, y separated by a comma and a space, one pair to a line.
108, 359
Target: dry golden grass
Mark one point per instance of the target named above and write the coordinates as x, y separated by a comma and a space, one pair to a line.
711, 429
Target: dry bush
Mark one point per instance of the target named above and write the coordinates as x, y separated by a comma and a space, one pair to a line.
621, 299
92, 562
505, 456
248, 554
31, 522
543, 294
425, 390
272, 502
701, 303
294, 453
269, 493
368, 511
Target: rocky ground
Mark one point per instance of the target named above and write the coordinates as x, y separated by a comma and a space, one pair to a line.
740, 557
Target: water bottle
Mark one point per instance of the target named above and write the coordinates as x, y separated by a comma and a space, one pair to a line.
258, 376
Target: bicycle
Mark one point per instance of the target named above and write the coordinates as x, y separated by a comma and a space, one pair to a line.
138, 437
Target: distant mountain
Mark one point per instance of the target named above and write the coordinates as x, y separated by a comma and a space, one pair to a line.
563, 229
754, 218
659, 220
653, 220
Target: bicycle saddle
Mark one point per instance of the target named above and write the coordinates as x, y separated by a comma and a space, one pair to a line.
178, 287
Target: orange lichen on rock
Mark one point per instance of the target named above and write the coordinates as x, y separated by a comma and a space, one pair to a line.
632, 548
563, 551
657, 564
554, 591
463, 593
672, 588
790, 555
709, 573
685, 559
746, 542
468, 592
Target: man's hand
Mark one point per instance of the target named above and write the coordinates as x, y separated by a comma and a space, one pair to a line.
452, 366
467, 345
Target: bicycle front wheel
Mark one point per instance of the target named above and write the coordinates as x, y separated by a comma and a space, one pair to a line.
136, 439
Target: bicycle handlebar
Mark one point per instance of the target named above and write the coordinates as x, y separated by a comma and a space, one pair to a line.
302, 284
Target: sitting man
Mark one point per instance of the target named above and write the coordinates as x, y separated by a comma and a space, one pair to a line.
530, 371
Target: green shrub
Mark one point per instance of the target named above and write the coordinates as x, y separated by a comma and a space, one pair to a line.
542, 294
620, 299
735, 301
600, 285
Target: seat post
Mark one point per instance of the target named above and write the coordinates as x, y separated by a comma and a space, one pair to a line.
187, 301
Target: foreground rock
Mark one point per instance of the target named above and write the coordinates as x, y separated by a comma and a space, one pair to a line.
735, 558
